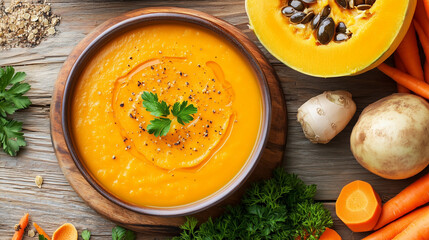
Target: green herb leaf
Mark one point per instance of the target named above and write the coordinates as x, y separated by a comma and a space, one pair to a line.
120, 233
86, 234
278, 208
11, 100
41, 237
11, 136
183, 112
152, 105
159, 126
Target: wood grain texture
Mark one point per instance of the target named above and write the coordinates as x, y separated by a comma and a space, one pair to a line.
271, 158
329, 166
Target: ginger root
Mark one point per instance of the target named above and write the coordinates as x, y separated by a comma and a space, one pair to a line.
324, 116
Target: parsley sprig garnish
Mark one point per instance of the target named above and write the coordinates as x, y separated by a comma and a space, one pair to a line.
160, 126
12, 98
278, 208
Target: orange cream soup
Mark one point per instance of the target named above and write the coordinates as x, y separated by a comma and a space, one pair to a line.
179, 62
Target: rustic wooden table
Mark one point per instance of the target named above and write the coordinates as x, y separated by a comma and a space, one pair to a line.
329, 166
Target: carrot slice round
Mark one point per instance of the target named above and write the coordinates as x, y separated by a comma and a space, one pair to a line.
330, 234
358, 206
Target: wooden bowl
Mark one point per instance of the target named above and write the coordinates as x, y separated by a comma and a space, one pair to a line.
154, 16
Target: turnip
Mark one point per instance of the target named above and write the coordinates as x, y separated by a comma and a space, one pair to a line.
391, 137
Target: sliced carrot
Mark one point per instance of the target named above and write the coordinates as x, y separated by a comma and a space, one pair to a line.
417, 230
67, 231
22, 225
412, 197
409, 52
40, 231
330, 234
393, 229
419, 87
421, 16
358, 206
400, 65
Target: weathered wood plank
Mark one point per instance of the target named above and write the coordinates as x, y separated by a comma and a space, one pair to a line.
330, 166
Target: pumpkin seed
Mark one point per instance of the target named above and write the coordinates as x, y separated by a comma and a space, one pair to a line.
351, 4
316, 21
359, 2
309, 1
297, 17
308, 17
288, 11
342, 3
341, 37
326, 30
297, 4
364, 7
325, 12
370, 2
341, 27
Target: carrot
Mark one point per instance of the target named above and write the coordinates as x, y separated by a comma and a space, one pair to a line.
22, 225
419, 87
424, 41
393, 229
40, 231
417, 230
330, 234
421, 16
409, 52
426, 70
358, 206
400, 65
412, 197
426, 7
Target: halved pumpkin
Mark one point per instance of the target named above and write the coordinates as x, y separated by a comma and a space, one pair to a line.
373, 33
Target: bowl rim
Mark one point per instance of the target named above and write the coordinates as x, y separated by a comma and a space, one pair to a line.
229, 33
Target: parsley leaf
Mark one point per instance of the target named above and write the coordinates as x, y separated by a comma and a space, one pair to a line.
86, 234
152, 105
11, 99
278, 208
159, 126
120, 233
183, 112
41, 237
11, 136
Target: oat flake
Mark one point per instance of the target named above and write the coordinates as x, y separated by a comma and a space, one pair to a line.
26, 23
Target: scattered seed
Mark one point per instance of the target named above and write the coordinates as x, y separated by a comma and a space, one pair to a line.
297, 4
341, 27
309, 1
325, 12
341, 37
288, 11
308, 17
31, 233
39, 181
316, 21
342, 3
26, 23
363, 7
326, 31
351, 4
297, 17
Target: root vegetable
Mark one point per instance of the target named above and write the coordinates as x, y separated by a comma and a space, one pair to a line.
358, 206
324, 116
391, 137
